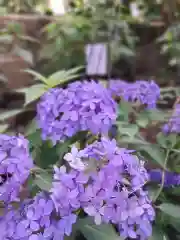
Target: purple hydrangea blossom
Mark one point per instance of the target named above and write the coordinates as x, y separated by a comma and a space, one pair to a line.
82, 106
36, 220
15, 166
171, 179
113, 193
146, 93
67, 189
117, 87
173, 125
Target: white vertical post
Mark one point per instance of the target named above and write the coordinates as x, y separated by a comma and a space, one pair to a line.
96, 59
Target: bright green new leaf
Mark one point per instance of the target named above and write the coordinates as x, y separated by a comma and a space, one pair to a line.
37, 75
34, 92
62, 76
170, 209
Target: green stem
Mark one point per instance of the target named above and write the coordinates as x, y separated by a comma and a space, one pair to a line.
163, 176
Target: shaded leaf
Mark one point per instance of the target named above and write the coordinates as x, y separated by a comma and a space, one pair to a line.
43, 181
170, 209
26, 55
154, 153
175, 191
31, 127
9, 114
124, 109
35, 139
48, 155
158, 234
94, 232
152, 191
3, 127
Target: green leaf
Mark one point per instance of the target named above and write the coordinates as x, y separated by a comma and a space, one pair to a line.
142, 120
170, 209
48, 155
6, 38
152, 191
158, 234
154, 153
31, 127
26, 55
134, 141
166, 141
33, 93
9, 114
3, 127
43, 181
161, 139
63, 148
175, 223
124, 109
62, 76
95, 232
37, 75
175, 191
127, 129
35, 139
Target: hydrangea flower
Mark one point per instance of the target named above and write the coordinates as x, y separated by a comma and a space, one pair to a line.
118, 87
15, 166
66, 190
171, 179
36, 220
82, 106
112, 192
146, 93
173, 126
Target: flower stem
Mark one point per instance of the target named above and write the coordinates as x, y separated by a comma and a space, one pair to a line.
163, 177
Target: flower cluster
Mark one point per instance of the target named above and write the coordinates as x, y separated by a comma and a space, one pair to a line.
116, 198
82, 106
102, 180
173, 125
117, 87
35, 220
146, 93
171, 179
15, 166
